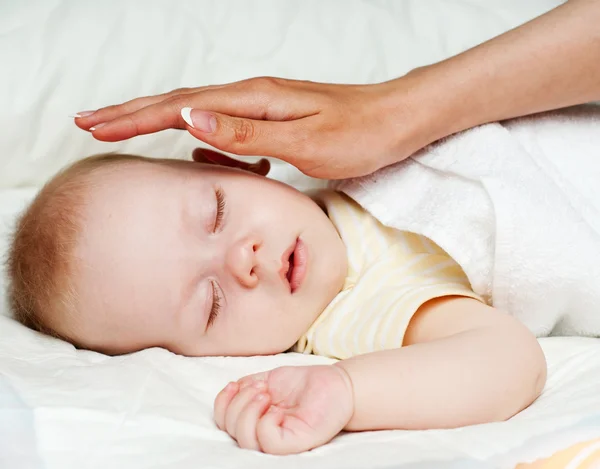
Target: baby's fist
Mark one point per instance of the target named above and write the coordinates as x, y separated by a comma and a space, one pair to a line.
286, 410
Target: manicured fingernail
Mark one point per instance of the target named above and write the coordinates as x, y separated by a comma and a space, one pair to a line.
186, 115
204, 121
82, 114
96, 127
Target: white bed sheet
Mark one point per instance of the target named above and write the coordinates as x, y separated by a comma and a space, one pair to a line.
63, 408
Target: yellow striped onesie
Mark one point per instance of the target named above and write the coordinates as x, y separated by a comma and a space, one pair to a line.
390, 275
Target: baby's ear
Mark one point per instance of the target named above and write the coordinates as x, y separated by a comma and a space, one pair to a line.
203, 155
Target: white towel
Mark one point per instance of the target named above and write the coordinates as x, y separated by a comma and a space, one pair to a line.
517, 205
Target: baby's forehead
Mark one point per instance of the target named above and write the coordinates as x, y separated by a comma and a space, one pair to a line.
131, 180
131, 219
138, 172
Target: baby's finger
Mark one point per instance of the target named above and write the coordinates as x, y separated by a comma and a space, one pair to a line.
222, 401
253, 379
270, 432
237, 404
281, 432
245, 431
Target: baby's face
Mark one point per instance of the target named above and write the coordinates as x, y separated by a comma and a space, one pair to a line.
194, 258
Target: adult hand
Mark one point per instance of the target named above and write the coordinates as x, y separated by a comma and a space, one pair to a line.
203, 155
337, 131
325, 130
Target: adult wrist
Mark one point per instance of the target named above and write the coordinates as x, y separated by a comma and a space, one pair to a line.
427, 104
407, 117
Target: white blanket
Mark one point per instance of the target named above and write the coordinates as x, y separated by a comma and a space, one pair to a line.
517, 205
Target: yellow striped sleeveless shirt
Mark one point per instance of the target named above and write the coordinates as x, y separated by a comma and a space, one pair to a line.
390, 275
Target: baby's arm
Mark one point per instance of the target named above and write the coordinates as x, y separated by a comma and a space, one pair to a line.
465, 363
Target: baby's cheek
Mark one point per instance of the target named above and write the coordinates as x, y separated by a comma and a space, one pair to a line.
262, 321
275, 325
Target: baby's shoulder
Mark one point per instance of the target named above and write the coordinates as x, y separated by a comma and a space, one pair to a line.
365, 234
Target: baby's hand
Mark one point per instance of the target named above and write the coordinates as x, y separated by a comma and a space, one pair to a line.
286, 410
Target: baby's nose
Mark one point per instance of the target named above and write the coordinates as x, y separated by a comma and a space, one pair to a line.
241, 262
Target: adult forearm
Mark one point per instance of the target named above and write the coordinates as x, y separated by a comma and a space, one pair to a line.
550, 62
473, 377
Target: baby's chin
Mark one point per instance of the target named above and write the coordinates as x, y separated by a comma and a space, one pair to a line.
263, 349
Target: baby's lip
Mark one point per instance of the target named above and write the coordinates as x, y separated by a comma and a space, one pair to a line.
300, 266
285, 262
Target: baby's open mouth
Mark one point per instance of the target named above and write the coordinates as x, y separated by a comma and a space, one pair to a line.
293, 267
290, 267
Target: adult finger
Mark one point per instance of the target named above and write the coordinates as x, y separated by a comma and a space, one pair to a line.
254, 99
109, 113
242, 136
203, 155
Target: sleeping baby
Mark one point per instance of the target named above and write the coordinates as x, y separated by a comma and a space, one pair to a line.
120, 253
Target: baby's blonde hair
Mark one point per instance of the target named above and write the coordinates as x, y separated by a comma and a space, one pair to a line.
40, 261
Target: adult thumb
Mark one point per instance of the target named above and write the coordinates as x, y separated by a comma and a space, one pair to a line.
244, 136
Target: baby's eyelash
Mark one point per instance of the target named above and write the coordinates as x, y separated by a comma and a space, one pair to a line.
220, 208
216, 306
